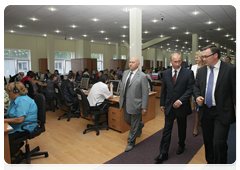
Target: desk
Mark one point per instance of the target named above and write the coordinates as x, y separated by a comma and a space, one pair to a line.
7, 156
157, 85
116, 116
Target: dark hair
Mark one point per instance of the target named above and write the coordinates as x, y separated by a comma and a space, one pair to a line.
52, 76
103, 78
71, 75
214, 49
29, 72
32, 74
47, 71
101, 71
61, 77
229, 57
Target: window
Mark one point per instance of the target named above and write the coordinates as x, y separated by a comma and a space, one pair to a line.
63, 61
99, 58
15, 61
123, 57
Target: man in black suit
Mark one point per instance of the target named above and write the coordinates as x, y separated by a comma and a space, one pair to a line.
69, 93
177, 87
215, 93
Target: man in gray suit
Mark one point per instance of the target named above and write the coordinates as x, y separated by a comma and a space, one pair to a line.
134, 99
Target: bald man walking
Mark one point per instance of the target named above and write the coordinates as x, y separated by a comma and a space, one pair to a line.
134, 100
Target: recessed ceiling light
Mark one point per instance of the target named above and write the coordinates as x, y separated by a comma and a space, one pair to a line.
161, 35
176, 46
34, 19
92, 41
199, 46
95, 19
187, 32
183, 47
177, 40
20, 26
219, 29
126, 9
168, 44
146, 32
52, 9
173, 28
74, 26
227, 35
209, 22
195, 13
57, 31
161, 46
123, 35
154, 20
232, 38
124, 27
200, 38
102, 31
44, 35
106, 38
71, 38
115, 22
12, 31
123, 41
207, 40
84, 35
109, 42
186, 42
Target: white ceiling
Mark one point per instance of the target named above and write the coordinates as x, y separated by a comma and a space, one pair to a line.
112, 18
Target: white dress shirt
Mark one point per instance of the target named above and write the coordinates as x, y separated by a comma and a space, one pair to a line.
134, 72
173, 72
215, 72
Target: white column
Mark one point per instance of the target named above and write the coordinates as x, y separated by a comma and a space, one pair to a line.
50, 52
118, 50
194, 47
135, 33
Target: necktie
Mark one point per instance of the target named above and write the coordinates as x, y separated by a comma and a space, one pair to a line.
128, 81
210, 88
174, 76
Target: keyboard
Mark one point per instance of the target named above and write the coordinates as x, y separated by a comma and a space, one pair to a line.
114, 96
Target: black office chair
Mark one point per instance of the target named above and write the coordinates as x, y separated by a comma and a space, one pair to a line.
40, 101
29, 86
60, 97
150, 85
94, 111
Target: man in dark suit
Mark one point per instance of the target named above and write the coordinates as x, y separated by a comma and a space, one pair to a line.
69, 93
215, 93
134, 99
228, 60
177, 87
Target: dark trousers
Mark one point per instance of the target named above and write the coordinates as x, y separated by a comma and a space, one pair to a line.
167, 131
12, 137
215, 136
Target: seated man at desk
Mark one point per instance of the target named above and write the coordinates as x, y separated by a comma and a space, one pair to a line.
69, 93
99, 91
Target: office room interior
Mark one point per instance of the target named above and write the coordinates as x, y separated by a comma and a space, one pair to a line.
33, 33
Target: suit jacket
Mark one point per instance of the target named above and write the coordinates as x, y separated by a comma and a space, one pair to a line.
225, 91
137, 93
68, 92
181, 90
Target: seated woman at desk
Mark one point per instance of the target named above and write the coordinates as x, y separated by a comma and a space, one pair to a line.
99, 91
78, 76
21, 110
36, 84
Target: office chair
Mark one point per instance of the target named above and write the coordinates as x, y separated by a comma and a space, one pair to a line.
60, 97
29, 86
94, 111
150, 85
40, 101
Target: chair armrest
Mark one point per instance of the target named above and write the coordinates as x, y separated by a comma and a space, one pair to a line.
31, 133
101, 108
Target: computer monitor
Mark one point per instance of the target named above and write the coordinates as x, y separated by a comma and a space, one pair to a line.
154, 76
120, 73
93, 72
105, 72
115, 86
84, 83
42, 77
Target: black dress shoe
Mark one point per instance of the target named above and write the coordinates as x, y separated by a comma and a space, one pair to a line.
207, 167
160, 158
180, 150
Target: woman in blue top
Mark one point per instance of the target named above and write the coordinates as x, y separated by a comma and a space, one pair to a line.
22, 110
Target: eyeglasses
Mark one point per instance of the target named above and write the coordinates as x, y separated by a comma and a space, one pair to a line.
208, 55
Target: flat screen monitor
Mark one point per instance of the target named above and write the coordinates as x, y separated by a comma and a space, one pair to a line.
104, 72
84, 83
115, 86
41, 77
120, 73
154, 76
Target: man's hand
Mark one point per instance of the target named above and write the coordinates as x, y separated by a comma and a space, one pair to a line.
177, 104
200, 100
162, 108
144, 112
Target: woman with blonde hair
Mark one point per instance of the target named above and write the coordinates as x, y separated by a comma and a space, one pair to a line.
21, 110
200, 63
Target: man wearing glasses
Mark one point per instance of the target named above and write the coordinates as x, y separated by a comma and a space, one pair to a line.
215, 93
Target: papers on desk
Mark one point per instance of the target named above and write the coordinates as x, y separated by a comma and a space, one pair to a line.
9, 127
84, 90
114, 96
